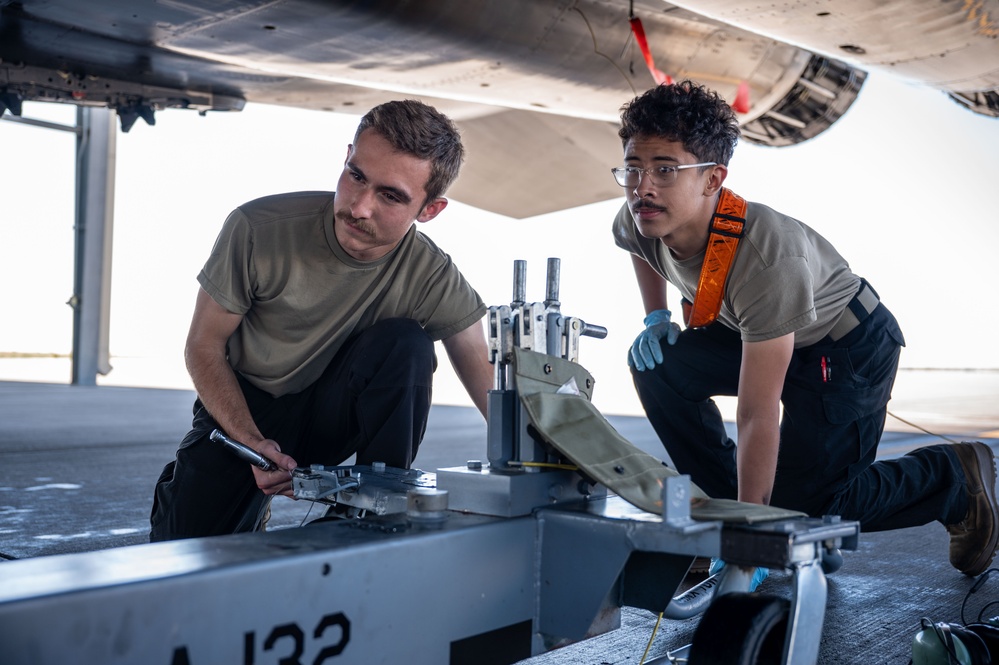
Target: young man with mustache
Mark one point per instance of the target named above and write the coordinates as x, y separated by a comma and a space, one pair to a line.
313, 332
777, 319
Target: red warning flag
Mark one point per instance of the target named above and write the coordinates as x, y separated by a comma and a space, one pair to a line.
643, 45
741, 103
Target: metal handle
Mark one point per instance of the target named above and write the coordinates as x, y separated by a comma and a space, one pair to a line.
243, 451
591, 330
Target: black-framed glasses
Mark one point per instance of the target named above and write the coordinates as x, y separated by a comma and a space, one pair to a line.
661, 176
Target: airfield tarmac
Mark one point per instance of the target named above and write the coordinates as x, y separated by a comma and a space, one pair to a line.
77, 467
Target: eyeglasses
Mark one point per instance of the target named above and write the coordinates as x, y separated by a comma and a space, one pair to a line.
661, 176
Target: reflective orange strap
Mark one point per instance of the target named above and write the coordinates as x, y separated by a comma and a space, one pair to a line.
726, 230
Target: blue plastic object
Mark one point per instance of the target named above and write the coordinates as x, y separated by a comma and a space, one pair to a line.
646, 351
759, 574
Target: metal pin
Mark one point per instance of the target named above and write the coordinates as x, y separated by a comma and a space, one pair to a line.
519, 283
551, 297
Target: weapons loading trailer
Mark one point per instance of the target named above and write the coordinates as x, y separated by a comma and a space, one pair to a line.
491, 562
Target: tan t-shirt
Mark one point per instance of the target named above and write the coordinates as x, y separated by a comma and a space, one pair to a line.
278, 263
785, 277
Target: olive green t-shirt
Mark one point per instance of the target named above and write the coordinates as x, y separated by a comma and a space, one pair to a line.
278, 263
785, 277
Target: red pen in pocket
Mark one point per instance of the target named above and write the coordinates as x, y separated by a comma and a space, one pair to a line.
826, 370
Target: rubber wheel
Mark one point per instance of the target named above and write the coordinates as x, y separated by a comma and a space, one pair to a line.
832, 560
741, 629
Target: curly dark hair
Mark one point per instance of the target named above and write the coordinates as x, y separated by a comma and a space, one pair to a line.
420, 130
687, 113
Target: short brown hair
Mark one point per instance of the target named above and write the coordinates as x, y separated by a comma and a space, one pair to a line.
420, 130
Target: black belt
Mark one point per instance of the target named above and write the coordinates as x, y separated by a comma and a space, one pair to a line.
858, 309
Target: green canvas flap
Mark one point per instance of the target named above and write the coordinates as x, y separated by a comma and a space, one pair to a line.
574, 427
539, 372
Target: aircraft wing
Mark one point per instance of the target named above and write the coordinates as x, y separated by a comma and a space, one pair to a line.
535, 85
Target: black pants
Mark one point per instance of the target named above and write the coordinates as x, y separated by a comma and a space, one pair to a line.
373, 400
829, 430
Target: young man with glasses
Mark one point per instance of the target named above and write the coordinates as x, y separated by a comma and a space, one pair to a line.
775, 317
313, 332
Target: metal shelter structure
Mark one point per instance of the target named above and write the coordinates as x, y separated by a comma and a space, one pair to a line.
96, 136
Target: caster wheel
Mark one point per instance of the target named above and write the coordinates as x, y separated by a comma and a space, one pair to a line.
832, 560
741, 629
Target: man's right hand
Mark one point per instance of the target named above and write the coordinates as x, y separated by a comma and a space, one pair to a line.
279, 481
646, 351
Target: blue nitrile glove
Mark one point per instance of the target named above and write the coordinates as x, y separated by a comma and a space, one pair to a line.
759, 574
646, 352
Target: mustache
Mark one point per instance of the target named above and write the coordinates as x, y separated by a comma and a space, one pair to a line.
646, 205
345, 217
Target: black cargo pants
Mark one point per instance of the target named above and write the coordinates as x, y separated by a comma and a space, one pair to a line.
373, 400
831, 425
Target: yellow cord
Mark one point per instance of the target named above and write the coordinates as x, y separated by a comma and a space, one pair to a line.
651, 637
922, 429
548, 465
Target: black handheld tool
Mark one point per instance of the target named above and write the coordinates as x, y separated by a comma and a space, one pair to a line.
243, 451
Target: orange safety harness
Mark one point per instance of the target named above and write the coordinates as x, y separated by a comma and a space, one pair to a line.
726, 230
